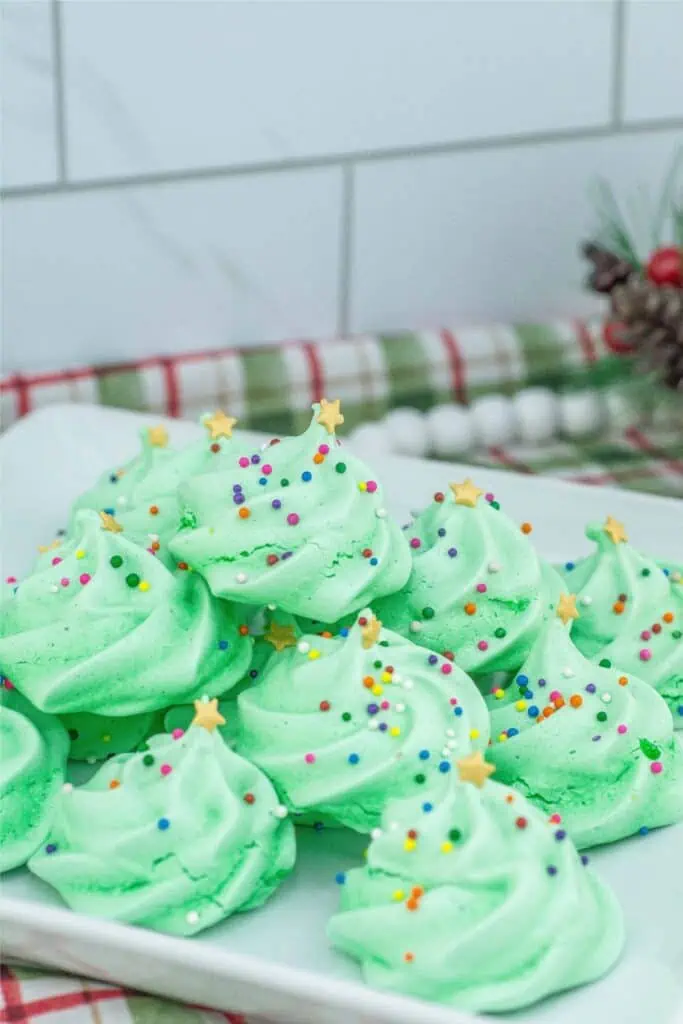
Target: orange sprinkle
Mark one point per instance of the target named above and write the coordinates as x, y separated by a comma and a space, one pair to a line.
576, 700
412, 904
526, 527
470, 608
244, 513
417, 891
509, 799
667, 617
368, 681
548, 711
318, 458
154, 510
559, 703
155, 545
244, 630
623, 680
114, 784
618, 607
326, 634
409, 957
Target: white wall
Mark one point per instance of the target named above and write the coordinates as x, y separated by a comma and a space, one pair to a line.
189, 174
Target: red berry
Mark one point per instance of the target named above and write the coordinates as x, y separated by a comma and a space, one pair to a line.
665, 266
271, 559
324, 705
215, 448
613, 333
249, 798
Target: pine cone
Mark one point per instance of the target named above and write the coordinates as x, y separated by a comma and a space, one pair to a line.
608, 270
652, 319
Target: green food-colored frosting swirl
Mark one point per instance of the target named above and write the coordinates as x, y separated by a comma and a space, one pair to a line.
340, 727
176, 838
33, 752
472, 899
592, 743
111, 630
95, 737
631, 615
477, 587
300, 524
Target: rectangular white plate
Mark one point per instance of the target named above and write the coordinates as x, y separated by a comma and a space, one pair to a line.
275, 961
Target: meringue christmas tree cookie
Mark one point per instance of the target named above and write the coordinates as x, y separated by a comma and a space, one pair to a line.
176, 838
451, 885
631, 613
110, 630
591, 742
34, 749
301, 525
341, 724
477, 587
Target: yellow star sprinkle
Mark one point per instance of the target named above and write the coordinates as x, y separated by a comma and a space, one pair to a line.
474, 769
157, 436
280, 636
219, 425
370, 632
110, 524
566, 608
615, 530
466, 493
207, 714
330, 415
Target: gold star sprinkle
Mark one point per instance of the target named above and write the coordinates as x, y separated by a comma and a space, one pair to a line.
466, 493
330, 415
370, 632
110, 524
219, 425
207, 714
157, 436
474, 769
615, 531
280, 636
566, 608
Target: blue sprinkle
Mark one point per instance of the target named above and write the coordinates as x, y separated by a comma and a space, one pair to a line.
113, 479
253, 673
318, 826
532, 712
444, 766
560, 834
374, 561
223, 645
584, 859
666, 571
340, 878
237, 487
383, 726
643, 830
163, 824
522, 680
306, 475
238, 497
423, 755
680, 709
354, 758
551, 869
427, 807
344, 631
457, 711
569, 566
541, 682
110, 511
452, 552
528, 694
512, 731
255, 459
441, 532
432, 659
263, 480
51, 848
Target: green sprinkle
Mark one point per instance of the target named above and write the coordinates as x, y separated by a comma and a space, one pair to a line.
677, 634
420, 778
346, 717
116, 561
188, 519
500, 632
495, 504
427, 613
132, 579
377, 664
644, 572
650, 750
454, 835
605, 663
383, 643
148, 760
284, 482
341, 467
601, 716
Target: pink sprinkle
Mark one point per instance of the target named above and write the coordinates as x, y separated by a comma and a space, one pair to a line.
11, 579
483, 645
645, 654
7, 684
64, 581
309, 758
555, 694
371, 486
447, 668
481, 588
292, 519
385, 705
415, 542
656, 767
165, 769
267, 469
324, 449
555, 818
645, 635
243, 461
621, 729
56, 560
454, 700
490, 496
85, 577
177, 733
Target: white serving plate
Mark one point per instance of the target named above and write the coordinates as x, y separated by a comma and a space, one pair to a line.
275, 961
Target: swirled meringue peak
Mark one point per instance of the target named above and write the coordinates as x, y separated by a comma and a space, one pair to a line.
110, 630
96, 737
474, 899
477, 587
591, 742
300, 524
631, 613
341, 724
176, 838
34, 749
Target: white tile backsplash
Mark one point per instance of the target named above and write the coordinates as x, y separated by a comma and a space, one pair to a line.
472, 237
124, 273
184, 174
28, 151
653, 59
165, 86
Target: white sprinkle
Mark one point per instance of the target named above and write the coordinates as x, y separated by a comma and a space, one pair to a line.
452, 744
494, 566
241, 577
281, 811
415, 626
450, 732
192, 917
205, 698
67, 787
271, 607
393, 825
445, 752
586, 601
408, 684
123, 500
397, 678
54, 589
399, 708
381, 513
303, 647
606, 698
372, 724
567, 673
376, 833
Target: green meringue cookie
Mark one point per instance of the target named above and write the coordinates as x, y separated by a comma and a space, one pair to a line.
96, 737
111, 631
175, 839
589, 742
341, 724
33, 749
622, 595
474, 900
300, 524
477, 586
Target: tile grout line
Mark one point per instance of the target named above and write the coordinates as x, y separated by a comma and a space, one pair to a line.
346, 248
58, 81
336, 160
618, 64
